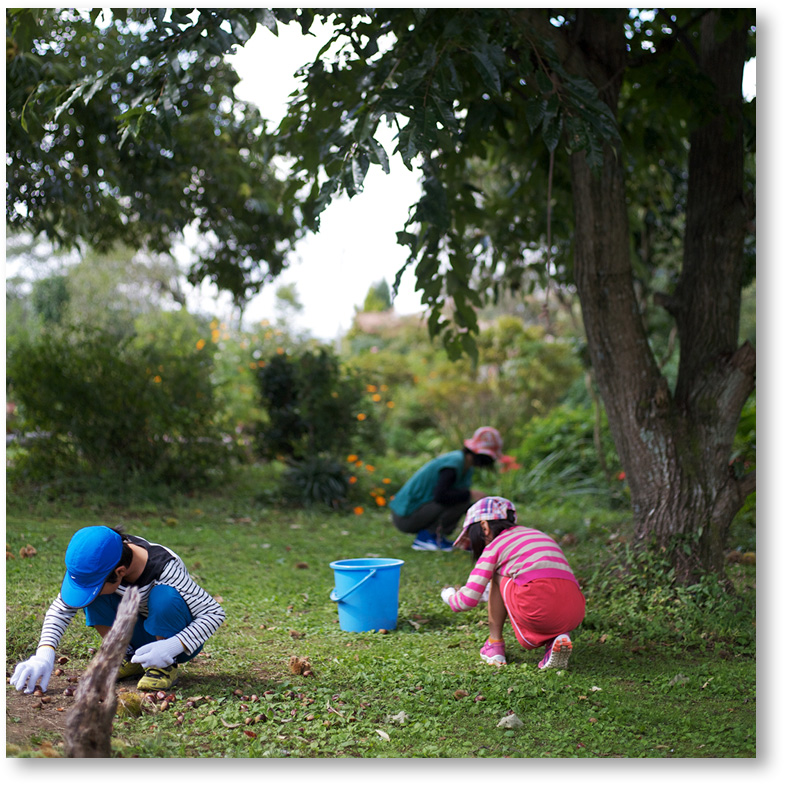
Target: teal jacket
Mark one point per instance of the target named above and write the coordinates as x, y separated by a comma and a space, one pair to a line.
419, 488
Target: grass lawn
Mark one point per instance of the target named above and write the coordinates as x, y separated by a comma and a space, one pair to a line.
653, 674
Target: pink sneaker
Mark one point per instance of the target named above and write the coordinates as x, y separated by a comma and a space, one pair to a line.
493, 653
557, 652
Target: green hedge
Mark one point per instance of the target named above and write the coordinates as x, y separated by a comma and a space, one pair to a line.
143, 405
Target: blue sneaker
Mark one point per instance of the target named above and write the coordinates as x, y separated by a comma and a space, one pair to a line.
426, 541
444, 544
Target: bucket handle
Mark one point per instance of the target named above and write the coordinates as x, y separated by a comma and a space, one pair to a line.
335, 598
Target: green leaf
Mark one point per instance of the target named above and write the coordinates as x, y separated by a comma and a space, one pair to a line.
552, 133
378, 154
543, 81
486, 67
447, 115
535, 112
360, 165
97, 85
75, 93
406, 238
267, 18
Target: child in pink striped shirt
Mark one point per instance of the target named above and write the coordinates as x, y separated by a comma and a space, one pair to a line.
531, 583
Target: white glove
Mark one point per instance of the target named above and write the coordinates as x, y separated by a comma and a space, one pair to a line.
448, 592
159, 654
39, 666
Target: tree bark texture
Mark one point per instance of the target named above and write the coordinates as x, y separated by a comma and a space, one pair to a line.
675, 446
89, 730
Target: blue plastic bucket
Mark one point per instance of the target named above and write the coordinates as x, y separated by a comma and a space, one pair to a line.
366, 591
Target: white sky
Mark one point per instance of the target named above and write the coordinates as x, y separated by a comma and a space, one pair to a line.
356, 246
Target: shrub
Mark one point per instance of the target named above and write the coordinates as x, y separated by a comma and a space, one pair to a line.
566, 437
139, 406
558, 459
313, 406
634, 594
317, 413
520, 373
316, 480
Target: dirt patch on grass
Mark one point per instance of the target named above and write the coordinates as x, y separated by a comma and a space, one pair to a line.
31, 723
35, 725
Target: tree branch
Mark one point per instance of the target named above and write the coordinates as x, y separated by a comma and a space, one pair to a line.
89, 730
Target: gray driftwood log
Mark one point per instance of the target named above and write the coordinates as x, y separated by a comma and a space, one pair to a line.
88, 733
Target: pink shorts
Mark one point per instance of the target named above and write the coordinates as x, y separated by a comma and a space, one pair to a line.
542, 609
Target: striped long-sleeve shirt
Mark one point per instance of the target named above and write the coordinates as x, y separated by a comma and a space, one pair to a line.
163, 566
520, 553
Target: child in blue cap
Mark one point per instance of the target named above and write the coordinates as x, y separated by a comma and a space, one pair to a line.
176, 615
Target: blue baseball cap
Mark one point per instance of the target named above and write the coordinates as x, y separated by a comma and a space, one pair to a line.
91, 555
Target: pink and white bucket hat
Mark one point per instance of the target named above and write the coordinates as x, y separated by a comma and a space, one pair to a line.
489, 508
486, 441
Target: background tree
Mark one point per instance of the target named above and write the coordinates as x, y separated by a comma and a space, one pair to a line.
378, 298
541, 93
50, 299
125, 128
536, 131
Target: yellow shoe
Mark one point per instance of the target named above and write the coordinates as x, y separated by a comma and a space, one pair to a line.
128, 669
158, 678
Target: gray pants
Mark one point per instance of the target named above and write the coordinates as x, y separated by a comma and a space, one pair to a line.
438, 519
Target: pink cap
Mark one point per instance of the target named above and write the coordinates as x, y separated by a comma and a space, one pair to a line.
489, 508
486, 441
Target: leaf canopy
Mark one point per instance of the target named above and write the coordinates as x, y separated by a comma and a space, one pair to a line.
126, 126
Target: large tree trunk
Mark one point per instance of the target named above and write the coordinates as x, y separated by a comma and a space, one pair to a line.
675, 446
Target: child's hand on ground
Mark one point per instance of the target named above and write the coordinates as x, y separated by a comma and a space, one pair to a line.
38, 667
447, 593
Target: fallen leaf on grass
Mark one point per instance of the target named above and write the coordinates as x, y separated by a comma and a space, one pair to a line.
383, 734
400, 717
458, 694
300, 666
48, 751
230, 724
